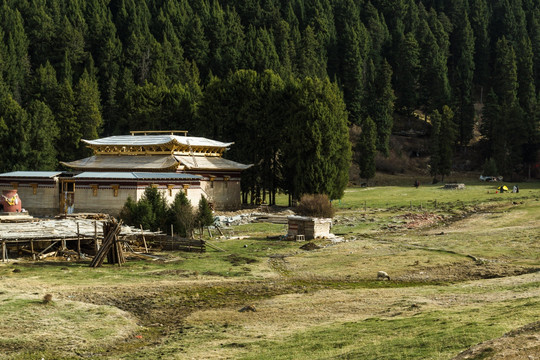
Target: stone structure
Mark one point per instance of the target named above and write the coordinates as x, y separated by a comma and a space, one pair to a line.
123, 166
310, 228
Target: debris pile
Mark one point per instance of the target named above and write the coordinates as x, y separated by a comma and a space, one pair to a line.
310, 246
413, 220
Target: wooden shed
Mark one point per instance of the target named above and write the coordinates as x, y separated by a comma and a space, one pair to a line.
310, 228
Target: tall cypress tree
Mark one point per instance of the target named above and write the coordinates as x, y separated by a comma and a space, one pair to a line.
66, 119
435, 88
462, 72
43, 134
366, 149
87, 107
318, 151
16, 60
443, 136
310, 61
407, 74
352, 52
510, 136
479, 19
379, 103
14, 129
528, 101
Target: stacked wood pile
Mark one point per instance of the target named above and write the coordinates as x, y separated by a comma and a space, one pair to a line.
167, 242
273, 219
111, 247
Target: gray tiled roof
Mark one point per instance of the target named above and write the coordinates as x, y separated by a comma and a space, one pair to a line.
136, 176
126, 162
210, 163
32, 174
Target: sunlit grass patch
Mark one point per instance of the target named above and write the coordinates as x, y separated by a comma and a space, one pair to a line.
430, 335
62, 326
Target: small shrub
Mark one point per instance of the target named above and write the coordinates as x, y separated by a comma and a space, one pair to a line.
317, 205
47, 299
204, 215
181, 215
150, 211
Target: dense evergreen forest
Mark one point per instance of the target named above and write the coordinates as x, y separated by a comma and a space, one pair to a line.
282, 79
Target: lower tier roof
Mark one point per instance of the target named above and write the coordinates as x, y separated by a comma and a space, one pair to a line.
155, 163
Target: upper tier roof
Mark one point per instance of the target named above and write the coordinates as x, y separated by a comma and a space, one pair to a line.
31, 174
148, 140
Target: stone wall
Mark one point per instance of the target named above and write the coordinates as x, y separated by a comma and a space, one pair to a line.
103, 199
224, 194
310, 228
45, 201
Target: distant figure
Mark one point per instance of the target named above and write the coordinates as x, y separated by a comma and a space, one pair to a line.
514, 190
416, 183
517, 188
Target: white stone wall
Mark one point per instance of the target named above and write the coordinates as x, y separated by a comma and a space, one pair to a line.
104, 201
44, 202
311, 228
224, 194
193, 193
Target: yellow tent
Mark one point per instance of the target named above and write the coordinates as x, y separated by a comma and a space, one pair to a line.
502, 188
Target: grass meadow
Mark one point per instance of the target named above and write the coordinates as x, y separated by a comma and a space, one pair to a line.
464, 268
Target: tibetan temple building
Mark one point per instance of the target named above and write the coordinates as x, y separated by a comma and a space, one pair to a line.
123, 166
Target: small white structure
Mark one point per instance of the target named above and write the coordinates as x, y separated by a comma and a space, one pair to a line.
310, 228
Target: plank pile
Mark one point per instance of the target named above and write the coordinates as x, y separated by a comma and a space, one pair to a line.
111, 247
167, 242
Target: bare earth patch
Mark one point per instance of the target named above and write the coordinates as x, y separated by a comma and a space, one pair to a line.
523, 343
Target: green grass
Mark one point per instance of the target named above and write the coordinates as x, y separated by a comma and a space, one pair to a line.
403, 197
255, 268
431, 335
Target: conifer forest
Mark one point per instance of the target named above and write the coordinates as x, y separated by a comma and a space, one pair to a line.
283, 80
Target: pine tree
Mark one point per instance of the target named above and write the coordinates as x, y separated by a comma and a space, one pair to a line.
434, 145
479, 19
181, 216
196, 45
507, 145
462, 73
204, 214
379, 104
407, 74
14, 128
443, 136
318, 153
43, 134
447, 139
435, 88
87, 107
352, 49
310, 60
490, 119
16, 67
66, 119
366, 149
